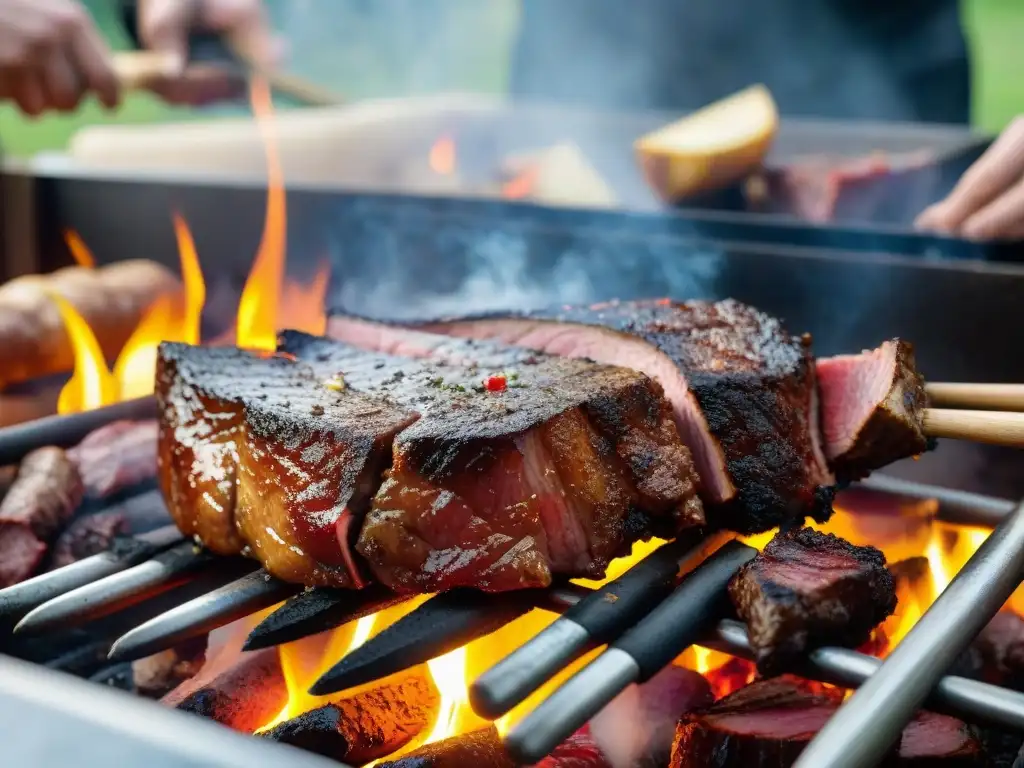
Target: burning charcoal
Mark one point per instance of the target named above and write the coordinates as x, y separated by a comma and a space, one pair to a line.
157, 675
480, 749
86, 537
243, 694
45, 494
768, 723
367, 726
808, 589
116, 457
871, 407
639, 724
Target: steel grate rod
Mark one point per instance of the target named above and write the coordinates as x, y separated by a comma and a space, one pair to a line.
859, 734
955, 507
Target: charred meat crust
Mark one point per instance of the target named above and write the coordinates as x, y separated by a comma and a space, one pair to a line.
895, 428
853, 593
755, 386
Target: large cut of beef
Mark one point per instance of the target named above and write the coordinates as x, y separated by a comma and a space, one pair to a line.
436, 462
808, 589
768, 724
742, 390
872, 408
519, 466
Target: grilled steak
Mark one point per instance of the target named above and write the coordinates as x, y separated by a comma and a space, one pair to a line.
558, 468
742, 389
807, 589
117, 457
770, 722
872, 406
258, 456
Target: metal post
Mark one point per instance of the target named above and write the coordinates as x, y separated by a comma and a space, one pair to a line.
871, 720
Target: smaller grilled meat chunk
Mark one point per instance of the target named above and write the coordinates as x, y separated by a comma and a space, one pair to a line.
770, 722
742, 389
808, 589
88, 536
557, 470
997, 654
872, 408
117, 457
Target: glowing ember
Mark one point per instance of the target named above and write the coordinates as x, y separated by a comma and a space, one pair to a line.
79, 251
92, 385
442, 156
522, 185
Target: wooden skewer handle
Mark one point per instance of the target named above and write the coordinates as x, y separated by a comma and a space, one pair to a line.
139, 69
992, 427
988, 397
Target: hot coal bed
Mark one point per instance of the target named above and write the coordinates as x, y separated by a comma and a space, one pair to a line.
151, 595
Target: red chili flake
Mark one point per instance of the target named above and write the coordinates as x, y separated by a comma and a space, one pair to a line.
496, 384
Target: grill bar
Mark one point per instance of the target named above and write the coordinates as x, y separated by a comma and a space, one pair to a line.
955, 507
599, 618
695, 607
440, 625
969, 700
856, 735
316, 611
18, 600
120, 590
64, 431
240, 598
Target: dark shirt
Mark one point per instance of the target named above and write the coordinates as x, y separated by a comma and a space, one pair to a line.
900, 60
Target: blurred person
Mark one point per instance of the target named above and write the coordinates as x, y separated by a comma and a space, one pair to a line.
52, 54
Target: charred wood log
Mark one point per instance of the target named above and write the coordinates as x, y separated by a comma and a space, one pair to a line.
369, 725
157, 675
480, 749
770, 722
44, 495
117, 457
243, 695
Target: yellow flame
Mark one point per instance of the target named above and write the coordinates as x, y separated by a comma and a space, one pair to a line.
449, 673
165, 320
92, 384
260, 301
79, 250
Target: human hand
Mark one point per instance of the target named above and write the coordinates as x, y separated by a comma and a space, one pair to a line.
51, 55
988, 201
165, 25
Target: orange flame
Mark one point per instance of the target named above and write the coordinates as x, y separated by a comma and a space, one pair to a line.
92, 385
521, 186
258, 309
79, 251
442, 157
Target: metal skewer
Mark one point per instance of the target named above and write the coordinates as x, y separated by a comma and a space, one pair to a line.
856, 736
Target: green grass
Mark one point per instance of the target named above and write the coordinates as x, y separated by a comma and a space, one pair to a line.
367, 66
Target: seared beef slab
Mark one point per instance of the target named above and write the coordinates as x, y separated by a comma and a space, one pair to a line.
808, 589
997, 653
768, 724
557, 468
742, 389
257, 456
872, 407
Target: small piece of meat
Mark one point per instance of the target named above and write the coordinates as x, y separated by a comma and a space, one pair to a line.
43, 497
578, 751
116, 457
259, 456
770, 722
157, 675
88, 536
997, 653
559, 470
479, 749
872, 408
742, 389
808, 589
368, 725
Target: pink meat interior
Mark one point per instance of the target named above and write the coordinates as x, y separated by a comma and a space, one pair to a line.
592, 343
851, 387
785, 724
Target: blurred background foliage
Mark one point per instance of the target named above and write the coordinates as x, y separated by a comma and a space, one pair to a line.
366, 48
